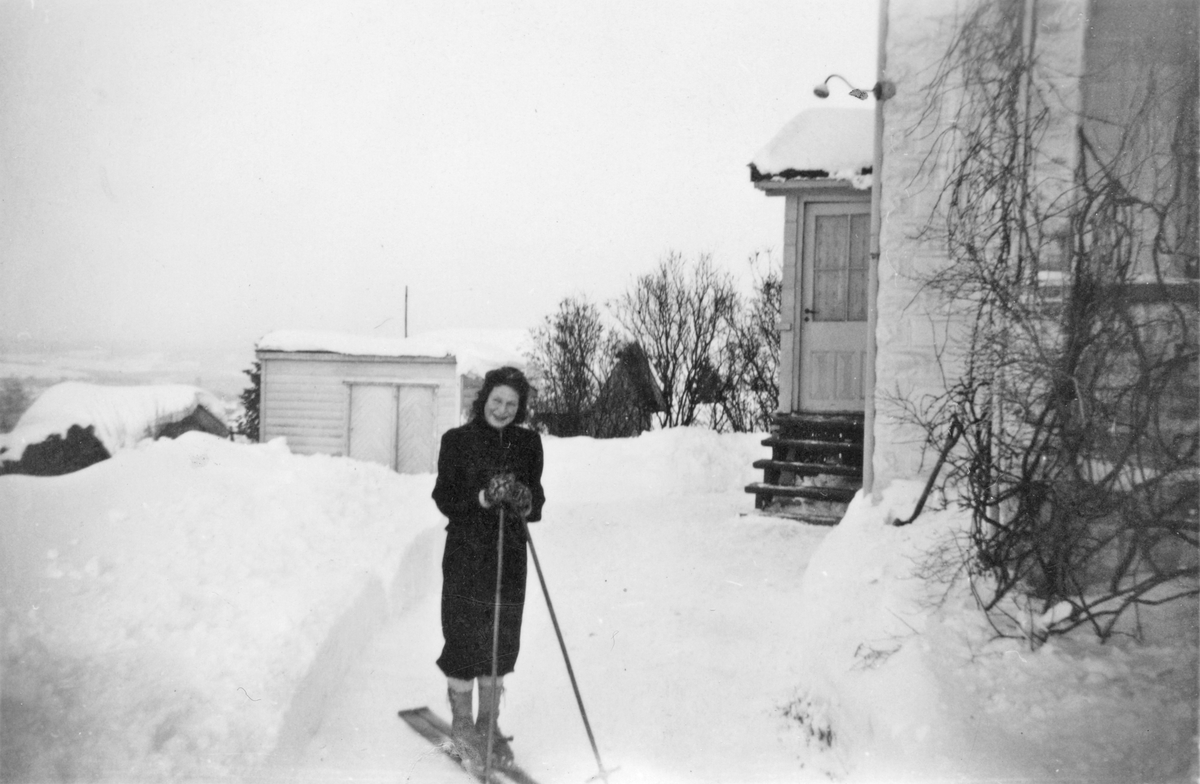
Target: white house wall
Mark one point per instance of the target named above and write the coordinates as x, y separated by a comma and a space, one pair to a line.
306, 396
912, 326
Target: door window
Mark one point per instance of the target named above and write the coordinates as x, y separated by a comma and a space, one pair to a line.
840, 267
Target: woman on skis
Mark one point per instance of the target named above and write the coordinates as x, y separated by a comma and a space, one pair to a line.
490, 464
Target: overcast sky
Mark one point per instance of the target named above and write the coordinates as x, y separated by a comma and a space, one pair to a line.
206, 171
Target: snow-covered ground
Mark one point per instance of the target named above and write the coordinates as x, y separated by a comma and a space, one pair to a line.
197, 610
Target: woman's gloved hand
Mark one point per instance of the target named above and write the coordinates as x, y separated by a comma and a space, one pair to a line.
520, 499
498, 489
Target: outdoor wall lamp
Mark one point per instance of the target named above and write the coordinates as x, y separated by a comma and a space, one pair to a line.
882, 90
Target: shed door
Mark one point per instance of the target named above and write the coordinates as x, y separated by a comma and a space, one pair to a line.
373, 423
416, 452
833, 303
394, 425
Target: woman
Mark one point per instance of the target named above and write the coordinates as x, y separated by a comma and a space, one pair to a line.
489, 464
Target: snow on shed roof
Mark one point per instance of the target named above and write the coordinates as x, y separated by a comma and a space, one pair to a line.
822, 143
121, 416
475, 351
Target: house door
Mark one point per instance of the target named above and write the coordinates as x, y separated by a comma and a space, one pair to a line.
394, 425
833, 305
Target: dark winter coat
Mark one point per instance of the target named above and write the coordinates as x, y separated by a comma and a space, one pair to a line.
470, 455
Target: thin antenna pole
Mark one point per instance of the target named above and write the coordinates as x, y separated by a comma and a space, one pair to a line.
406, 311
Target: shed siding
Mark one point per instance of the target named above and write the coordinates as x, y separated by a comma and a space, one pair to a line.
306, 396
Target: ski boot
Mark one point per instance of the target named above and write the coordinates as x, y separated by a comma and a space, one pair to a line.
463, 733
489, 709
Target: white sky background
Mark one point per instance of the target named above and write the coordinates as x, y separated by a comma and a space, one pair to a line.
179, 172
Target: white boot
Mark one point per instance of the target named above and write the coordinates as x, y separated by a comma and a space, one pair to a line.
489, 709
462, 726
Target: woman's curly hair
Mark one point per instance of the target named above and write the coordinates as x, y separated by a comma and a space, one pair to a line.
503, 377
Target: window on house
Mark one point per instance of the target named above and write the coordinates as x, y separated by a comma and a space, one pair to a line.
1139, 130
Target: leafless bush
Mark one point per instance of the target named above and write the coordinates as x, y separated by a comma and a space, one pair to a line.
683, 319
573, 355
752, 394
689, 350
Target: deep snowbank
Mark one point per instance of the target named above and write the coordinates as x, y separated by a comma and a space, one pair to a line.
675, 462
183, 610
911, 683
177, 612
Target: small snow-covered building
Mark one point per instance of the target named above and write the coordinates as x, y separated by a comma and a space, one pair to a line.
74, 424
386, 400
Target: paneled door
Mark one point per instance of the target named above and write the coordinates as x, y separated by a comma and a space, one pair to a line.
416, 449
394, 424
373, 423
833, 306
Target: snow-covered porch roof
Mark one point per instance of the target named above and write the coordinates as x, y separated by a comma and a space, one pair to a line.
833, 145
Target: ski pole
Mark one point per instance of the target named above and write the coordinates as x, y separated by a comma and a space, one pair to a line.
491, 736
603, 774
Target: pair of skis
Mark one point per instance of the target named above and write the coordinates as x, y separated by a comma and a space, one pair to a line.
435, 730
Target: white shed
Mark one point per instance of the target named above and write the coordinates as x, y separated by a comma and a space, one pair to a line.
387, 400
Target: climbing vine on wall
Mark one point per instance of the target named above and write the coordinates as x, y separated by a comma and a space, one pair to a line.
1071, 387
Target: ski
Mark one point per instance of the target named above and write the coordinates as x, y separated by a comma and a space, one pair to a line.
434, 729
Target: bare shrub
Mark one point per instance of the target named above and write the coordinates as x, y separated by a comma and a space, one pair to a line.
573, 354
683, 318
752, 394
689, 350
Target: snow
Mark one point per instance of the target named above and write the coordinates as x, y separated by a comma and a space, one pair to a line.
475, 351
121, 416
918, 687
837, 141
200, 610
215, 369
28, 367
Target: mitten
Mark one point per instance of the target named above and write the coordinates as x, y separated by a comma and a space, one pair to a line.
520, 499
498, 489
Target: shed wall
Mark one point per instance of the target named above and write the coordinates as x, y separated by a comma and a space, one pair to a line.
306, 396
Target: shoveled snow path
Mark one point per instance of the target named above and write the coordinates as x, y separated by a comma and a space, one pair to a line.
661, 654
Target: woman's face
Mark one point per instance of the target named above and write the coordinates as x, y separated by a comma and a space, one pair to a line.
501, 406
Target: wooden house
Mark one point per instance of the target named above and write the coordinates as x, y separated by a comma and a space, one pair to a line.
377, 399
